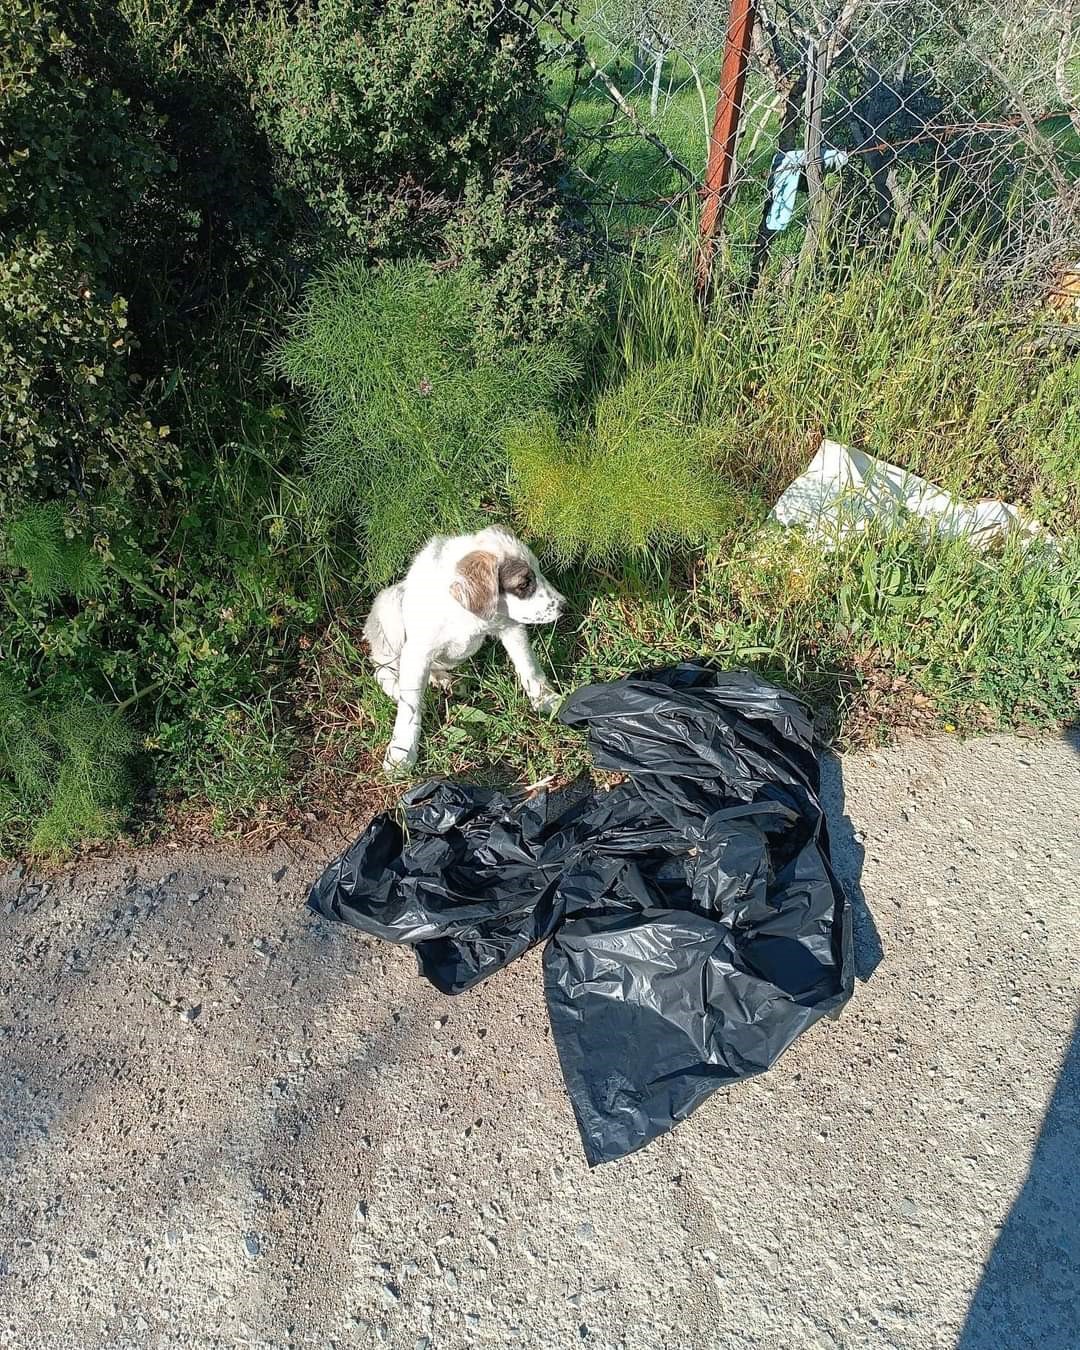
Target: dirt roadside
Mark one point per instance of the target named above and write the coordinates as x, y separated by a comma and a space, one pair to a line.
225, 1123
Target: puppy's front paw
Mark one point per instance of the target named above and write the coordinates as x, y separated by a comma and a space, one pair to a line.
546, 700
398, 760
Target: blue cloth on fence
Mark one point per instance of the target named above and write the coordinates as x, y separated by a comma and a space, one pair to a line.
787, 168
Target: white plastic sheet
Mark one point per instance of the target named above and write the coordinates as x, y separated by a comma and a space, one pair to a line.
843, 490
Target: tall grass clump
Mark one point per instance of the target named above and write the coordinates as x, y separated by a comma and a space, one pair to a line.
405, 414
638, 476
903, 352
987, 638
893, 627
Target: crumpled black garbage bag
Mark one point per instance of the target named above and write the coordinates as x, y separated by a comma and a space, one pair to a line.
696, 925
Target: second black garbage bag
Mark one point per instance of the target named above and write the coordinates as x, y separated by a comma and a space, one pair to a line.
695, 924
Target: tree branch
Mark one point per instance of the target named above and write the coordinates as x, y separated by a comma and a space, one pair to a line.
767, 49
577, 46
816, 61
1029, 126
1061, 66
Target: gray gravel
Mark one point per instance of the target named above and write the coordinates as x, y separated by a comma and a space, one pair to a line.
223, 1123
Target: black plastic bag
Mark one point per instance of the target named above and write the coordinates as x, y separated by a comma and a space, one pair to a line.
696, 926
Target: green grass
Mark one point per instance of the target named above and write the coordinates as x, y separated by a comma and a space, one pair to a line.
687, 420
637, 477
896, 351
899, 352
646, 492
893, 631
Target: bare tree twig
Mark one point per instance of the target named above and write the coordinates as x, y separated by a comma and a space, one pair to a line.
577, 46
1057, 335
658, 70
772, 103
1061, 66
1029, 126
704, 102
696, 73
909, 215
816, 59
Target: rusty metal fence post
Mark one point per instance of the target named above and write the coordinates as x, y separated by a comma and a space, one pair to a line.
725, 135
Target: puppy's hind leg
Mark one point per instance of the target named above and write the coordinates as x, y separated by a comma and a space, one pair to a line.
384, 633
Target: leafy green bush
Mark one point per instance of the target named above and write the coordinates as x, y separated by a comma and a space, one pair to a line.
56, 562
75, 159
362, 102
90, 785
416, 127
538, 283
405, 412
63, 769
639, 477
187, 642
166, 171
24, 778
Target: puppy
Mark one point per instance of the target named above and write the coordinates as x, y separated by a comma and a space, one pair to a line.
457, 593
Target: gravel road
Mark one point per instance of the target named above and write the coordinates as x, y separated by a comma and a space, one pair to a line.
224, 1123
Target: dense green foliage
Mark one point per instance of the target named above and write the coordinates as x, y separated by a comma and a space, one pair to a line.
167, 172
902, 352
405, 408
75, 160
417, 126
63, 770
642, 475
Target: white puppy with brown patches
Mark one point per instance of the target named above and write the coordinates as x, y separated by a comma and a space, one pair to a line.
456, 594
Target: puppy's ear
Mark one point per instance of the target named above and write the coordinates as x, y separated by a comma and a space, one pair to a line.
476, 583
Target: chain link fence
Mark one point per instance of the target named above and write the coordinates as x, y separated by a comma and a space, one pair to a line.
787, 118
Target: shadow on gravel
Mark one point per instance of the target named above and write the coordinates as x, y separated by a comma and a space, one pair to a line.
1029, 1294
847, 860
